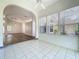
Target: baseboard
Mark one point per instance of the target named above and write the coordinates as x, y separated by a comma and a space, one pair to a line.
29, 35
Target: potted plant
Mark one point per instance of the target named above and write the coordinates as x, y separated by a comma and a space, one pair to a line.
77, 29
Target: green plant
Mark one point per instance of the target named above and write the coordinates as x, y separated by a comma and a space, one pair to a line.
78, 27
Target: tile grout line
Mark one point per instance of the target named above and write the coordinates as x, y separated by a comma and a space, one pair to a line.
4, 53
56, 53
14, 53
23, 52
58, 45
65, 54
75, 54
47, 52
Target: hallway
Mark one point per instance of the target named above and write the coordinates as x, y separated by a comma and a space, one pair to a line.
37, 49
19, 25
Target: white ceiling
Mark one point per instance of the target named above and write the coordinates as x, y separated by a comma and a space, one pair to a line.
46, 3
53, 6
21, 15
32, 3
18, 14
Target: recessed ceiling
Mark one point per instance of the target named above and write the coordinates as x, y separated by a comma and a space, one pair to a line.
19, 14
46, 3
52, 6
13, 10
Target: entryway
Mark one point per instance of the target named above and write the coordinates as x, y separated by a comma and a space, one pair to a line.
19, 25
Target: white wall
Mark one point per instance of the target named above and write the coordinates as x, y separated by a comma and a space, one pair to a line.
1, 32
16, 27
28, 28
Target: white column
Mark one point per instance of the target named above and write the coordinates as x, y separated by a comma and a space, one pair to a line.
23, 27
36, 28
61, 24
33, 28
1, 31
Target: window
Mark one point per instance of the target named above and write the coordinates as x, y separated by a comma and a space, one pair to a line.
52, 23
42, 25
70, 19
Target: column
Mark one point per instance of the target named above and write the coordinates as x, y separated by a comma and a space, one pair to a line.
61, 24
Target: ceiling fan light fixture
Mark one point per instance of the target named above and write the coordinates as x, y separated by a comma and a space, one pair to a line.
36, 5
42, 5
39, 3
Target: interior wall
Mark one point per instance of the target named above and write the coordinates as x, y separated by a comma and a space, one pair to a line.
14, 27
17, 27
28, 28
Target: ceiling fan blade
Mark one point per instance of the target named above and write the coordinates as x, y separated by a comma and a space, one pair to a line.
43, 6
36, 5
39, 2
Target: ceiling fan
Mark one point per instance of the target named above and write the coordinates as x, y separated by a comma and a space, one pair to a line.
39, 2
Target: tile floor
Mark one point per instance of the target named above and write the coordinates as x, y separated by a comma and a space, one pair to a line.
1, 53
68, 41
36, 49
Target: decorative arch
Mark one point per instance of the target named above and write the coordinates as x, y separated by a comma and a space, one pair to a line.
3, 6
35, 15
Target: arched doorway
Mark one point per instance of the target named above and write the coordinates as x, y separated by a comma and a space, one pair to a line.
19, 25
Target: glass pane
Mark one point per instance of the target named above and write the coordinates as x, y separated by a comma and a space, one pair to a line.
42, 24
70, 18
52, 23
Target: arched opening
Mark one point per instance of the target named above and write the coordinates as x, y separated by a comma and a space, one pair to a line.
19, 24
